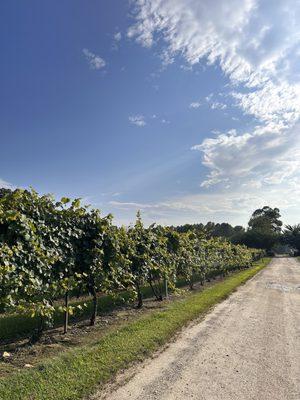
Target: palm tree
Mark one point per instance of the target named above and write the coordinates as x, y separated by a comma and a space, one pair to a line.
291, 236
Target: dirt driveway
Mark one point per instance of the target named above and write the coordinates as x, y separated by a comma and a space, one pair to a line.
248, 347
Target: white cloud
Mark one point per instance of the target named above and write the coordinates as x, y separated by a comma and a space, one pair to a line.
262, 155
278, 103
129, 205
110, 194
5, 185
209, 97
257, 46
248, 38
95, 61
195, 104
234, 206
216, 105
118, 36
138, 120
186, 67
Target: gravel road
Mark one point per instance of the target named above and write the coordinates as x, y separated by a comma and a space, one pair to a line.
248, 347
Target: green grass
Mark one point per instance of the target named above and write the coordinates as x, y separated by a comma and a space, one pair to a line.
13, 326
76, 373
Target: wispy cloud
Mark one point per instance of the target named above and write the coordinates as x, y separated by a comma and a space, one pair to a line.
6, 185
256, 44
138, 120
195, 104
216, 105
118, 36
95, 61
265, 155
234, 206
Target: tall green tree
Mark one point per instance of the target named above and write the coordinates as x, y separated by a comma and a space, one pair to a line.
264, 228
266, 219
291, 236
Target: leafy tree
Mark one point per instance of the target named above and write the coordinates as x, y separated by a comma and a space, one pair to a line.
291, 236
266, 219
198, 228
4, 191
264, 228
225, 230
260, 239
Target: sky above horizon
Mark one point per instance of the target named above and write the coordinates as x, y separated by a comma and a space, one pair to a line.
186, 110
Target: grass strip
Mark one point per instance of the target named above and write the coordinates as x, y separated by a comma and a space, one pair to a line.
76, 373
13, 326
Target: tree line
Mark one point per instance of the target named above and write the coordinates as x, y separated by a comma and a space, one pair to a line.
51, 250
265, 231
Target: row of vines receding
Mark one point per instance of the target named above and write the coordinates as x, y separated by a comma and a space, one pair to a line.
50, 249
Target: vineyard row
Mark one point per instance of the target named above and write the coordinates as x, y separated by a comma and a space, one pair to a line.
51, 249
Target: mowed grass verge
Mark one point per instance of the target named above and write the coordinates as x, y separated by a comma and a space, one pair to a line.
78, 372
13, 326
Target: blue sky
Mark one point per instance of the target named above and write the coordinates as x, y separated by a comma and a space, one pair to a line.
186, 110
